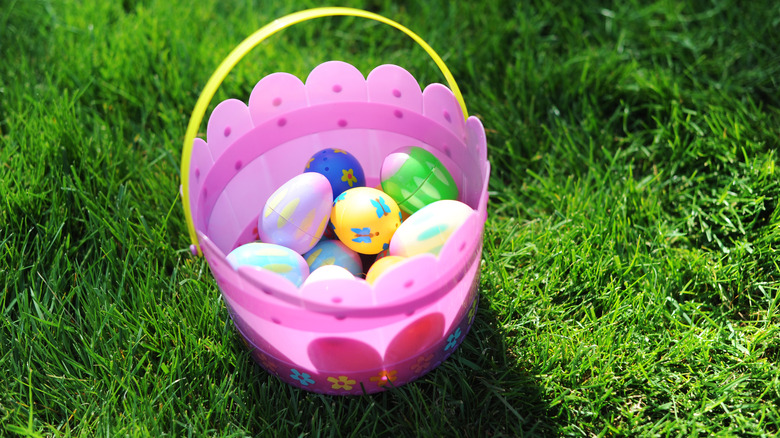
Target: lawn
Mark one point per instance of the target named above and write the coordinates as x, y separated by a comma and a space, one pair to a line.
629, 283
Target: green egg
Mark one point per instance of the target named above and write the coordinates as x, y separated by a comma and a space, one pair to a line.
414, 178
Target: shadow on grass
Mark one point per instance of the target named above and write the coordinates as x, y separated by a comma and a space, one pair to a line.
481, 390
508, 398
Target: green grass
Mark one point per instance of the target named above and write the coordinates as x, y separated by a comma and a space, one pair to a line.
630, 278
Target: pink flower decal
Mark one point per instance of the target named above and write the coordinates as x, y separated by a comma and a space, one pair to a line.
422, 364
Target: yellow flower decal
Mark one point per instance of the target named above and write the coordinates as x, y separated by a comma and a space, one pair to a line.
339, 151
308, 164
343, 382
348, 176
472, 312
383, 377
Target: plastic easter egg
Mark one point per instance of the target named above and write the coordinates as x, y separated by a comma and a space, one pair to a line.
334, 252
296, 214
328, 272
380, 266
404, 214
427, 230
341, 168
365, 219
414, 178
274, 258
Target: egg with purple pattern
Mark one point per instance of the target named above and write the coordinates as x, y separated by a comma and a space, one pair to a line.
296, 214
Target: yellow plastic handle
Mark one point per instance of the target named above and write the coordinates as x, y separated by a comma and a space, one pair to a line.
245, 47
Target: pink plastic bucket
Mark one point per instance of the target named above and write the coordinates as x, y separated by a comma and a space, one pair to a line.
337, 336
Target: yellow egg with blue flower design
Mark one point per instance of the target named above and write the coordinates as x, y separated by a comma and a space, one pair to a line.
365, 219
341, 168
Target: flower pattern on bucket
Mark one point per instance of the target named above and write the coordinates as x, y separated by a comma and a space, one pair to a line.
422, 364
452, 339
342, 382
304, 378
384, 377
472, 312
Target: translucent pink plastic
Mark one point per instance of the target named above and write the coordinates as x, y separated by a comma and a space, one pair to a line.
340, 336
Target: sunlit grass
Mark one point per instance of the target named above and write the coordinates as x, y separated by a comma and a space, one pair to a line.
630, 277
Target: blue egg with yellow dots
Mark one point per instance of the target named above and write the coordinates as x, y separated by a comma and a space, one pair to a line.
333, 252
341, 168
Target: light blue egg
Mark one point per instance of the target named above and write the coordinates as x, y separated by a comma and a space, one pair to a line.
333, 252
271, 257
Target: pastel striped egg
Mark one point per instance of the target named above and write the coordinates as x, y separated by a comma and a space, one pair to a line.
333, 252
274, 258
296, 214
427, 230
